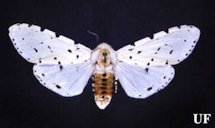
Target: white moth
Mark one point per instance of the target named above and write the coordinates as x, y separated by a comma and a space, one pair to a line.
65, 67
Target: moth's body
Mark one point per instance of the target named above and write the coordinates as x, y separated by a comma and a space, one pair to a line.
142, 69
103, 58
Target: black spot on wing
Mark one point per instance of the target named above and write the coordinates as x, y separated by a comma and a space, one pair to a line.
60, 65
167, 62
77, 56
171, 52
149, 88
69, 50
38, 76
35, 50
58, 86
40, 60
139, 52
147, 70
130, 57
130, 49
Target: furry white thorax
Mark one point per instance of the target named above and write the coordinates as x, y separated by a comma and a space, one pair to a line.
96, 58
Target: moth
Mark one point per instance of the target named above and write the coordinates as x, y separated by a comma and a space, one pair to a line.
65, 67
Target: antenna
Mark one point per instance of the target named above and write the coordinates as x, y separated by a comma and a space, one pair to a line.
92, 33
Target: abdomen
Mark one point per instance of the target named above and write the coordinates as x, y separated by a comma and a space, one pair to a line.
102, 88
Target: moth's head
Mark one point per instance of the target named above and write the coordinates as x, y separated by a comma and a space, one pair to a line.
104, 55
104, 46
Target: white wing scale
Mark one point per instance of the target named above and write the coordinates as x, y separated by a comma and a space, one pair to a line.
145, 68
68, 81
59, 62
38, 46
141, 82
164, 48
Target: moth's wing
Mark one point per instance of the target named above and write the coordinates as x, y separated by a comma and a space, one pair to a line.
69, 80
141, 82
145, 68
165, 48
60, 65
43, 46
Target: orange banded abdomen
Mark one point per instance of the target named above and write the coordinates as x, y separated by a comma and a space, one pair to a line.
103, 84
103, 88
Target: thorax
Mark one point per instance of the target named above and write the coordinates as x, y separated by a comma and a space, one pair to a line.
104, 58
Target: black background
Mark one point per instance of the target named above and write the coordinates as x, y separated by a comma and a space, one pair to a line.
24, 103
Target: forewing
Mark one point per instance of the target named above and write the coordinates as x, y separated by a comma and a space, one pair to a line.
43, 46
60, 65
165, 48
141, 82
66, 80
